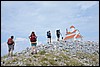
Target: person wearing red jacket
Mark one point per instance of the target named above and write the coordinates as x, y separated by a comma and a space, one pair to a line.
33, 39
11, 44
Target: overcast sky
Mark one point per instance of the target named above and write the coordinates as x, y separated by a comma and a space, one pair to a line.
20, 18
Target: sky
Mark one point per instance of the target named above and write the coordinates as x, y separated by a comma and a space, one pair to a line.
20, 18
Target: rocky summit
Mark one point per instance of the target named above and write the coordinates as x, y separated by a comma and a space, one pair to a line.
58, 53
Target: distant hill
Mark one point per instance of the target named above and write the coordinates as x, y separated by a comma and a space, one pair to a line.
60, 53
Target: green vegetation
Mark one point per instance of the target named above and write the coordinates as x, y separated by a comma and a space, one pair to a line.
43, 59
74, 62
14, 60
65, 57
51, 58
5, 56
52, 62
42, 52
44, 64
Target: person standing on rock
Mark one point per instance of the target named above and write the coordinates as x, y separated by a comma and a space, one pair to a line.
58, 34
48, 37
33, 39
11, 44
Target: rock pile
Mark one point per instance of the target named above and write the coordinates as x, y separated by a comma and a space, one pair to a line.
62, 53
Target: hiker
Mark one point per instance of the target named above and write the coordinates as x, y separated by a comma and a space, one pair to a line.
33, 39
58, 34
48, 37
11, 44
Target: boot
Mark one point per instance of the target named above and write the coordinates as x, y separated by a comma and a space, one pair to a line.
32, 52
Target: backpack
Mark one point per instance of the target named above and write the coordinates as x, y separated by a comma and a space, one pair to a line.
58, 32
10, 41
33, 38
48, 33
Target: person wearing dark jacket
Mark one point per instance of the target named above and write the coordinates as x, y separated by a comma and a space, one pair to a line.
58, 34
48, 37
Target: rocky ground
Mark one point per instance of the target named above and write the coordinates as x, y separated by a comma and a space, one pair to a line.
60, 53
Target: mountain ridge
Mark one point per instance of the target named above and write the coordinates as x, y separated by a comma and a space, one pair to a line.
58, 53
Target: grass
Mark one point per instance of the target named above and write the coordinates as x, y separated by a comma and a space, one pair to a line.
14, 60
74, 62
94, 58
44, 64
36, 56
43, 59
29, 64
46, 59
42, 52
5, 56
65, 50
52, 62
65, 57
